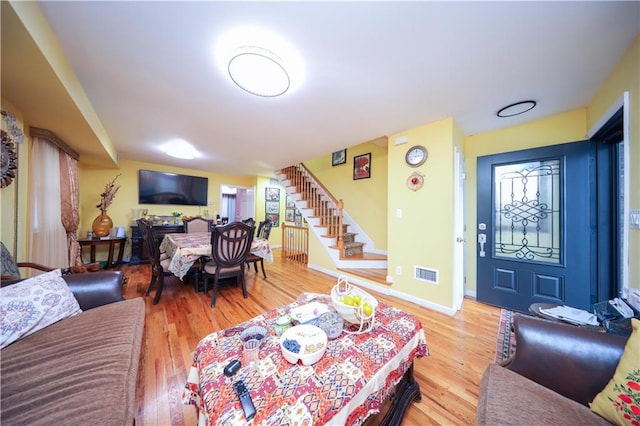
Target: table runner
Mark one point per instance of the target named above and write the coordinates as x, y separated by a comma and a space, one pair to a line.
349, 383
185, 249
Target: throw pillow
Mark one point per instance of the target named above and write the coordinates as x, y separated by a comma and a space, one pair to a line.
33, 304
619, 401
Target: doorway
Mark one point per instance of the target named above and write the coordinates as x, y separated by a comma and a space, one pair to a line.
237, 203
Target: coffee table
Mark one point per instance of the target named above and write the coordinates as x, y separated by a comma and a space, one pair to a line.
349, 383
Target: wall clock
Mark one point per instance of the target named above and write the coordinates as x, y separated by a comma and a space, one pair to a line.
415, 181
416, 156
9, 161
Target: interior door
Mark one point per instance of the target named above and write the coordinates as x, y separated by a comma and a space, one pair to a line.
535, 239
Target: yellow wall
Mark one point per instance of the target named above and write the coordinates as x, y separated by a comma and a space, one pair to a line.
365, 199
423, 236
625, 77
13, 221
93, 181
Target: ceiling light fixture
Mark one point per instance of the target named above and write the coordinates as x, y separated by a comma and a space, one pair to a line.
179, 148
516, 109
259, 71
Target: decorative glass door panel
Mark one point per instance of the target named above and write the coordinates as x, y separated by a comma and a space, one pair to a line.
527, 211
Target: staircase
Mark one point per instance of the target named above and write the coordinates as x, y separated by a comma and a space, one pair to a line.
348, 246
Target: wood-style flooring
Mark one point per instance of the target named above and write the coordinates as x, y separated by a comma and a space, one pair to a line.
460, 346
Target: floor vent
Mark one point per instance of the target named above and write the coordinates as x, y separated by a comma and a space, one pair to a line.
426, 274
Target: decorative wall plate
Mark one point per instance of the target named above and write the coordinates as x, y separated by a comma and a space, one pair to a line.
9, 160
415, 181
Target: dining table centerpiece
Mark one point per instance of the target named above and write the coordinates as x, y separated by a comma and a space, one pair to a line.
103, 224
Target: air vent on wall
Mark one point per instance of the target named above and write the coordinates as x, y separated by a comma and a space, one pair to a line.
426, 274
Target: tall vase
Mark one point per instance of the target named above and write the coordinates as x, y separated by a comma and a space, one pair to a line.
102, 224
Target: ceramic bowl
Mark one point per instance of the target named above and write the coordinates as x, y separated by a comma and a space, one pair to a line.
257, 332
312, 342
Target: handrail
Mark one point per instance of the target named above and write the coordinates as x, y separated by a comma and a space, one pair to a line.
331, 212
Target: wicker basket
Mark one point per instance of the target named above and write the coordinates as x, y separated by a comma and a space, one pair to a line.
353, 315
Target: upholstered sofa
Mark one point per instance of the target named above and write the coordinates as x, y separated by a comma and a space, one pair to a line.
80, 370
556, 373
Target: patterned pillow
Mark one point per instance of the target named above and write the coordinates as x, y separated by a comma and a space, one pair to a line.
619, 401
34, 304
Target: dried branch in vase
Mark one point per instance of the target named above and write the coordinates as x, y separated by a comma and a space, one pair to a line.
106, 198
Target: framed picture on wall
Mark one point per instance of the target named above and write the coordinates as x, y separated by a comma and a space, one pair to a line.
272, 194
362, 166
290, 203
289, 215
339, 157
274, 218
298, 218
272, 207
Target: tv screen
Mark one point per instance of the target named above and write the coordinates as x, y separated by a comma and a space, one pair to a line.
170, 188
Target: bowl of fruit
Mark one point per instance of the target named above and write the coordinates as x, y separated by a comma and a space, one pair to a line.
305, 342
354, 305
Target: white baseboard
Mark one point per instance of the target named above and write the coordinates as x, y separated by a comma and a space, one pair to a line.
389, 292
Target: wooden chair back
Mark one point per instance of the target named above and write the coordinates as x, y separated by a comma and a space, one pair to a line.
197, 224
231, 244
264, 229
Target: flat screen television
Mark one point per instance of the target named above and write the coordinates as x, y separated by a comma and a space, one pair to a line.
170, 188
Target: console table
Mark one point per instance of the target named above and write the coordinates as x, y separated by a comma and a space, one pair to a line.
347, 385
138, 248
111, 242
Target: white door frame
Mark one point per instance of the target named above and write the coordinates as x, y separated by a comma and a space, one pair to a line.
458, 230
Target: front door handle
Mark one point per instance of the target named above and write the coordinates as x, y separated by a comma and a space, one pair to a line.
482, 239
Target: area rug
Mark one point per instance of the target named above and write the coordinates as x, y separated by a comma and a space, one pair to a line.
506, 344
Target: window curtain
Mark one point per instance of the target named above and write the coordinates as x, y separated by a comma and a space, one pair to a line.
48, 242
70, 205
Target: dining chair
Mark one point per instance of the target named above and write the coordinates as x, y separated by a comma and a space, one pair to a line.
230, 245
224, 220
264, 229
159, 264
197, 224
250, 221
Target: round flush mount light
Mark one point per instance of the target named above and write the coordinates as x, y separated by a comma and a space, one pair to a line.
259, 71
179, 148
259, 61
516, 109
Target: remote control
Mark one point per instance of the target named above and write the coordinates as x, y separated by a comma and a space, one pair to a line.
245, 399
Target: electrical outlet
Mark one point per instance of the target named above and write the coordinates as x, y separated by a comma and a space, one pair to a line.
389, 279
398, 270
634, 219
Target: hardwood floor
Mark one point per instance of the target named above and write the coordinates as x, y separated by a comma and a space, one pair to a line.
460, 346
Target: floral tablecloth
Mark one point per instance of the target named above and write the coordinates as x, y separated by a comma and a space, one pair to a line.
185, 249
349, 383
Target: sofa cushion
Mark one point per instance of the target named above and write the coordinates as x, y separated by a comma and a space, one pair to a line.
34, 304
507, 398
81, 370
619, 401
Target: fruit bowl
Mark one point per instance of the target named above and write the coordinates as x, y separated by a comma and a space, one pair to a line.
354, 305
309, 340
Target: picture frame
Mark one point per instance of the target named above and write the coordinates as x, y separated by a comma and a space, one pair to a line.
272, 194
298, 218
290, 203
274, 218
339, 157
272, 207
289, 215
362, 166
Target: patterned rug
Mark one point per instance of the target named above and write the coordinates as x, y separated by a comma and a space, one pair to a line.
506, 344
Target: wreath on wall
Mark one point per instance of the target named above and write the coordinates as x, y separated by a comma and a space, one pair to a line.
9, 160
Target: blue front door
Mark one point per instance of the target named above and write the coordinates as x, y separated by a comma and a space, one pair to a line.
535, 239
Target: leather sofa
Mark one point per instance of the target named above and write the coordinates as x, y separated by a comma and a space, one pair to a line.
79, 370
556, 371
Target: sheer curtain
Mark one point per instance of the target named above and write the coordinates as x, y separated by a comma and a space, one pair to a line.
48, 237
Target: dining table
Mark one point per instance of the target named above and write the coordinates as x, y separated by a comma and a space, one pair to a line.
184, 249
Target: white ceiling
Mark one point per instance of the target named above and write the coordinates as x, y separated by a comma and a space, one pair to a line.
371, 69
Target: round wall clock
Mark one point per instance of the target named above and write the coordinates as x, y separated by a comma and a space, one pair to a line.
416, 156
415, 181
9, 161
